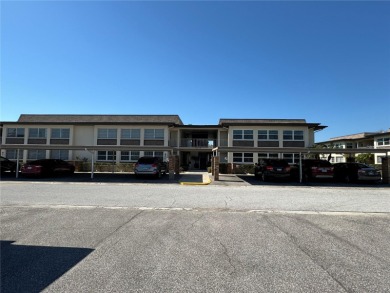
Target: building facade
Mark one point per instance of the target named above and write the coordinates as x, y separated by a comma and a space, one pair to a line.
365, 140
125, 138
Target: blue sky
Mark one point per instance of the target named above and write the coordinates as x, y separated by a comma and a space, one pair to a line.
326, 62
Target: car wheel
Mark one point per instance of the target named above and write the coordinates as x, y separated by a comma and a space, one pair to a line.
347, 179
158, 175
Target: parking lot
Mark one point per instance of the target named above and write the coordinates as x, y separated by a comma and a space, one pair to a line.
117, 234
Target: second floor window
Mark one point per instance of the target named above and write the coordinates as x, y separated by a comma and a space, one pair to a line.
383, 141
243, 134
106, 133
37, 133
154, 133
15, 132
293, 135
130, 133
60, 133
268, 135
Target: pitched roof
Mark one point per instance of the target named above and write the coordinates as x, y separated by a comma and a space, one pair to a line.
270, 122
355, 136
101, 119
260, 121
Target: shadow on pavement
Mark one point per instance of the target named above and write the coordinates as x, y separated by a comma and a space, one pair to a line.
32, 268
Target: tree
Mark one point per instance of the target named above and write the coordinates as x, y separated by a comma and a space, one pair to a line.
365, 158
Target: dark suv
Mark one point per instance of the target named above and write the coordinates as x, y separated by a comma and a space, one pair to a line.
7, 165
313, 169
150, 166
268, 169
351, 172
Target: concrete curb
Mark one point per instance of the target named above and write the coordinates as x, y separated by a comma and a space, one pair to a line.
206, 181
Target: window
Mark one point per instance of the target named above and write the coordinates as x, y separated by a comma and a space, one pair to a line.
60, 133
243, 134
154, 133
37, 133
243, 157
154, 154
291, 158
130, 156
106, 133
15, 132
268, 156
293, 135
383, 141
268, 135
130, 133
36, 154
59, 154
379, 160
106, 156
12, 154
349, 145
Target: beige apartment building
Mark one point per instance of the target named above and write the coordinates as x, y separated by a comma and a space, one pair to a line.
125, 138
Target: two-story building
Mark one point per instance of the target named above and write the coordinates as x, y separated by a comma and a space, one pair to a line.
125, 138
365, 140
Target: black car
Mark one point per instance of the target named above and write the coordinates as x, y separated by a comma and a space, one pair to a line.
313, 169
150, 166
7, 165
353, 172
268, 169
47, 167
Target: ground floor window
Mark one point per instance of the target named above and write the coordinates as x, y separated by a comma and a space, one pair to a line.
243, 157
268, 156
12, 154
291, 158
36, 154
106, 156
130, 156
378, 160
59, 154
154, 154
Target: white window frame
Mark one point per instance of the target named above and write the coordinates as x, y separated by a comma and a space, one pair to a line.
158, 154
243, 158
59, 154
18, 132
130, 133
269, 134
106, 156
268, 156
294, 134
64, 133
242, 134
154, 133
107, 133
33, 155
291, 158
130, 156
383, 141
12, 154
41, 133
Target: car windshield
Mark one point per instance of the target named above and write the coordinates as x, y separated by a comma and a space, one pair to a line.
363, 166
323, 164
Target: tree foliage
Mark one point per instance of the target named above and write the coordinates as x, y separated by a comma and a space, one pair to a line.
365, 158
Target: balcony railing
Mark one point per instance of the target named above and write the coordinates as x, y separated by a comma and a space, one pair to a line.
195, 143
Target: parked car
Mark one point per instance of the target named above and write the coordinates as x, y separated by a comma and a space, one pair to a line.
7, 165
353, 172
268, 169
313, 169
150, 166
47, 167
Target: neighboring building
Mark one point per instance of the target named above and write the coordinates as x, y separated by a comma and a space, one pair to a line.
364, 140
125, 138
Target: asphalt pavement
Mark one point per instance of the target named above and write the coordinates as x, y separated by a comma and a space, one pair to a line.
148, 237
